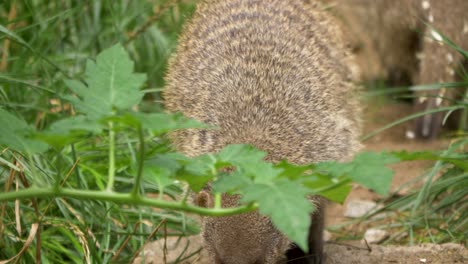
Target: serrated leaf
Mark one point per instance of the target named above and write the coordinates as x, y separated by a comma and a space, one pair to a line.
333, 168
75, 124
161, 169
333, 189
197, 172
69, 130
293, 171
14, 133
240, 154
337, 194
250, 161
368, 169
161, 176
286, 204
112, 85
231, 182
162, 123
262, 171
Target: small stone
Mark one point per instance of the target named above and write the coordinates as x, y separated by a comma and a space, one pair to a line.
359, 208
423, 260
375, 236
326, 236
452, 246
436, 36
426, 5
410, 134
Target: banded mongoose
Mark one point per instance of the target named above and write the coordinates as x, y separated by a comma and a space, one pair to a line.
273, 74
402, 33
440, 62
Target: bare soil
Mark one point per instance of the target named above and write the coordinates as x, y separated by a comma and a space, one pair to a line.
191, 251
351, 252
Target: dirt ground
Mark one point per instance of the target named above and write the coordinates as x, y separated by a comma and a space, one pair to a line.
351, 252
191, 251
393, 139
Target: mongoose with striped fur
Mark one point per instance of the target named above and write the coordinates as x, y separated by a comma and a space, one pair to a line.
273, 74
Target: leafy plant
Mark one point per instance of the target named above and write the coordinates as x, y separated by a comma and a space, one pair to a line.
104, 113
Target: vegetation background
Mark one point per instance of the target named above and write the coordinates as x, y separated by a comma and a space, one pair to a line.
43, 43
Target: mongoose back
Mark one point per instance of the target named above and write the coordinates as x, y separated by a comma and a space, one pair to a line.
273, 74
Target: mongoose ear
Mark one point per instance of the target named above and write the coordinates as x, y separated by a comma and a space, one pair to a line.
204, 199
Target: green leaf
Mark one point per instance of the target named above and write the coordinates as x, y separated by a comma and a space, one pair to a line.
75, 124
293, 171
161, 170
197, 172
241, 155
162, 123
368, 169
231, 182
15, 133
112, 85
338, 193
161, 176
286, 204
328, 187
69, 130
250, 161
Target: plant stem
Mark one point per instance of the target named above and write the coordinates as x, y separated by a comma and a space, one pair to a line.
217, 201
111, 173
121, 198
333, 186
141, 158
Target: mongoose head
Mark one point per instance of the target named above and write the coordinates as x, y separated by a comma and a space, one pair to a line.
248, 238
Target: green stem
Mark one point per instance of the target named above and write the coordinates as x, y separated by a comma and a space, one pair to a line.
111, 173
121, 198
141, 159
333, 186
217, 204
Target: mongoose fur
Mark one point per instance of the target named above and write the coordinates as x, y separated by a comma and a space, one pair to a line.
439, 62
273, 74
399, 31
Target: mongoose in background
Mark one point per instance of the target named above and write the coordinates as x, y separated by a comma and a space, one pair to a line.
273, 74
440, 62
399, 32
383, 35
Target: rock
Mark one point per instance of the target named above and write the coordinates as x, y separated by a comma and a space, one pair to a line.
359, 208
375, 236
326, 236
187, 248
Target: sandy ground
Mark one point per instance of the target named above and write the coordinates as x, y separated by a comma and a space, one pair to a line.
352, 251
393, 139
191, 251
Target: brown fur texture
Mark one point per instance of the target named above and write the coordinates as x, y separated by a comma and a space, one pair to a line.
439, 62
382, 35
398, 32
273, 74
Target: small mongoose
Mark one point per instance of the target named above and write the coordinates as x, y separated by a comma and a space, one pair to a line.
440, 62
401, 33
273, 74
